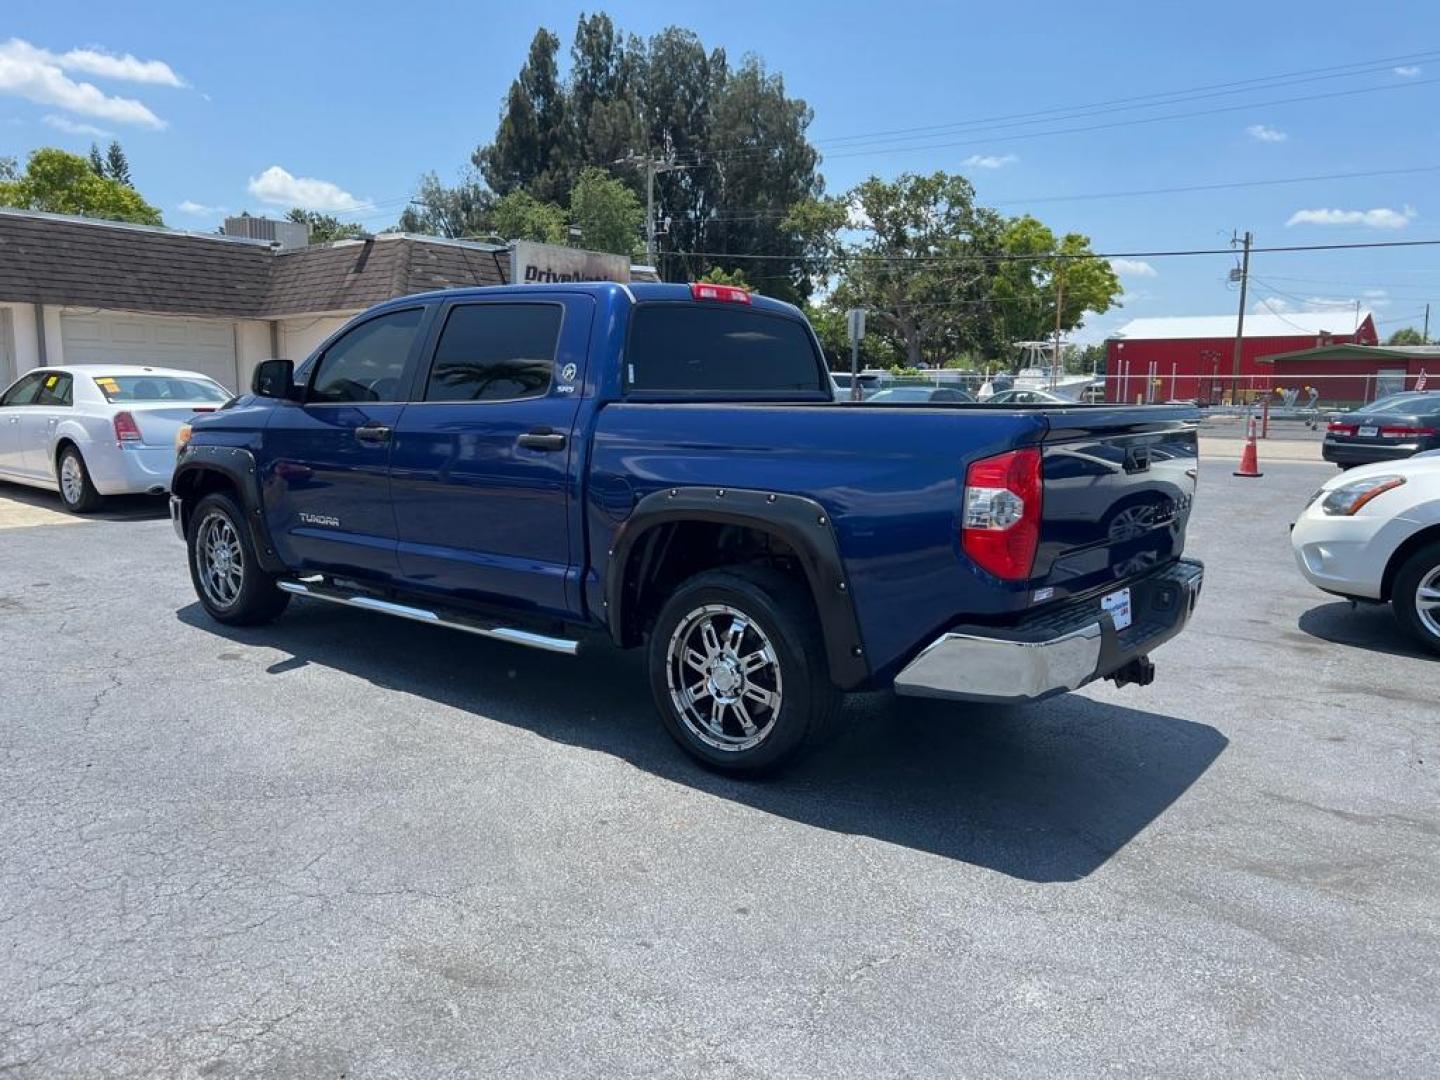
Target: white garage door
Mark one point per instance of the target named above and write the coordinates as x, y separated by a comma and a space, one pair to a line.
108, 337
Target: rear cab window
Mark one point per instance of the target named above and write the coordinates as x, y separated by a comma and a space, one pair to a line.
119, 389
719, 349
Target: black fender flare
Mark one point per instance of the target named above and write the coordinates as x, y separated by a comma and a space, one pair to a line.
801, 522
236, 465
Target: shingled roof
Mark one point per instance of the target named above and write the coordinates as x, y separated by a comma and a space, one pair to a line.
49, 259
52, 259
357, 273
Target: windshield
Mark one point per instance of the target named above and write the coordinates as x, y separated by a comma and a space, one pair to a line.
182, 388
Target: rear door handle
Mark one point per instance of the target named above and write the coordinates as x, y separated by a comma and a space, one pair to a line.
542, 438
373, 433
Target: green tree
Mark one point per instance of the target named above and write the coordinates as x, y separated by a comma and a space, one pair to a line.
117, 166
324, 228
921, 269
603, 104
732, 142
97, 161
521, 216
607, 213
460, 211
531, 143
1406, 335
61, 183
1028, 284
8, 169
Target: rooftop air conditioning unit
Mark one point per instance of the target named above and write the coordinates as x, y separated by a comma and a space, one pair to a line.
285, 234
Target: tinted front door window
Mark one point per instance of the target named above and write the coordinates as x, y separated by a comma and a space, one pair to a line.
368, 363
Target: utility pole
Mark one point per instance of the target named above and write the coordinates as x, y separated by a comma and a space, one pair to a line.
1059, 305
652, 166
1425, 334
1240, 318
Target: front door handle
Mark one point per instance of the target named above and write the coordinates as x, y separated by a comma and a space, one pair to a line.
542, 438
373, 433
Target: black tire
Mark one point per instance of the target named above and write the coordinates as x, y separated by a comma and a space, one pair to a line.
1421, 569
780, 615
244, 596
77, 492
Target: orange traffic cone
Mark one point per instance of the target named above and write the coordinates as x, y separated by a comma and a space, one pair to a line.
1249, 457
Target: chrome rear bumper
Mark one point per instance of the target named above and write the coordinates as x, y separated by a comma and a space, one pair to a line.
1059, 650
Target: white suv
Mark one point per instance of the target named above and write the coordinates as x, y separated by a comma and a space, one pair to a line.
1373, 533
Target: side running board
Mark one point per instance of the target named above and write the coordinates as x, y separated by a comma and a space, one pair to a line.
455, 621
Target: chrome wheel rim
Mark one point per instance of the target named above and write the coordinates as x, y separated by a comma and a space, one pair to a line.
220, 559
1427, 601
72, 479
724, 678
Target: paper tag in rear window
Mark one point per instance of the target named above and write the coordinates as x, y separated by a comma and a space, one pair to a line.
108, 387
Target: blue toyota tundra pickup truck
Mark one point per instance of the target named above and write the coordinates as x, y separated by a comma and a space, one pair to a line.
665, 465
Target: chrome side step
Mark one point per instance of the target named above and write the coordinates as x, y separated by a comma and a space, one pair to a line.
528, 638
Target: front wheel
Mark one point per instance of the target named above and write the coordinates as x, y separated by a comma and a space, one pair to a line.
738, 669
227, 576
1415, 596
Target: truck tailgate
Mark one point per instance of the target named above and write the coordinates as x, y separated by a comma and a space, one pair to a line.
1118, 487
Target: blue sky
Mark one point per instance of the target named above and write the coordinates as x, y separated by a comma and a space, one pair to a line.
362, 98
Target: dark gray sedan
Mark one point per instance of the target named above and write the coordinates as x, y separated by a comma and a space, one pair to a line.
1398, 426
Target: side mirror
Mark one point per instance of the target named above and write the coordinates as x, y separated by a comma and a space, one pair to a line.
274, 379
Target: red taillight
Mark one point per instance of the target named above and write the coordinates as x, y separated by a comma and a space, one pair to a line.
125, 428
1341, 429
733, 294
1406, 432
1000, 521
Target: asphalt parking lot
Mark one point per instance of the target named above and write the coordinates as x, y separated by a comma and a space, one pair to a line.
348, 846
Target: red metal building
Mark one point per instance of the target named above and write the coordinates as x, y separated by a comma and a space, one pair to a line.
1192, 357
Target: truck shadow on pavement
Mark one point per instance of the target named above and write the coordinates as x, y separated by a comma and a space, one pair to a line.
1367, 626
1044, 794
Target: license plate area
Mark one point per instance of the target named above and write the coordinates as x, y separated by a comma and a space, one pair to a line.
1368, 432
1120, 609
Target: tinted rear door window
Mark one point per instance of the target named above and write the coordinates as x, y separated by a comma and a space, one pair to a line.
495, 352
699, 348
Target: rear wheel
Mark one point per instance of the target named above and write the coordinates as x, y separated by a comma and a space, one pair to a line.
227, 576
77, 492
1416, 596
738, 670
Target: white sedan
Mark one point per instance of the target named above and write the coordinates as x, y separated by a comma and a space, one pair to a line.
1373, 533
93, 430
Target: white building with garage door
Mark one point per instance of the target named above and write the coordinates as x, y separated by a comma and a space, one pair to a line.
74, 290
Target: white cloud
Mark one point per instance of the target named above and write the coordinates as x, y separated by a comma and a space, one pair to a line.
1409, 71
190, 206
990, 161
39, 76
1265, 133
127, 68
279, 188
1382, 217
72, 127
1133, 268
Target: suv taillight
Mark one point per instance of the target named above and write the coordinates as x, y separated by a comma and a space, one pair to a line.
126, 430
1000, 521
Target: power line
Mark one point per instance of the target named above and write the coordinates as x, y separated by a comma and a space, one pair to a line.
1057, 255
1131, 122
1139, 99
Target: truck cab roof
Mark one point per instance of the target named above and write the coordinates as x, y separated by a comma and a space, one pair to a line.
640, 292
